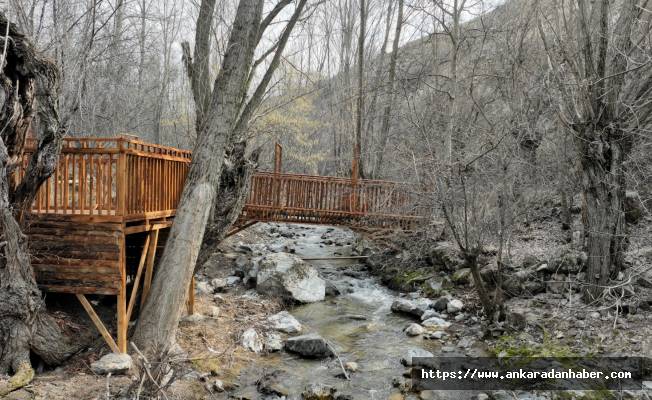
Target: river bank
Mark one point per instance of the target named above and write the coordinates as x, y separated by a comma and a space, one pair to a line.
234, 348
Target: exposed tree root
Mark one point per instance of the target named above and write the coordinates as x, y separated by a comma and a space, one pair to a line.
21, 378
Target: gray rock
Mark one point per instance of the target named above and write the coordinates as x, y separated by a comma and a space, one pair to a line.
251, 341
219, 284
413, 307
318, 391
273, 342
412, 353
441, 304
462, 276
542, 268
429, 314
193, 318
437, 335
214, 311
112, 363
285, 322
287, 276
351, 366
217, 386
414, 330
436, 322
242, 262
204, 287
332, 290
454, 306
310, 346
232, 280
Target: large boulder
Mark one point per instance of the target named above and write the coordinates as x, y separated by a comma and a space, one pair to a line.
284, 322
287, 276
414, 307
445, 255
112, 363
309, 346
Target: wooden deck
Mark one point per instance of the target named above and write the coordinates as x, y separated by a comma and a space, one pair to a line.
98, 223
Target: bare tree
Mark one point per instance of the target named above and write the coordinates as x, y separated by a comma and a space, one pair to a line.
600, 62
226, 121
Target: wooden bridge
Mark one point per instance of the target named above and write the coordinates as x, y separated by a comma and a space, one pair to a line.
99, 222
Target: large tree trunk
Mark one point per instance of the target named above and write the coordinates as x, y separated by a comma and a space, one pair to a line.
157, 325
28, 87
603, 181
235, 182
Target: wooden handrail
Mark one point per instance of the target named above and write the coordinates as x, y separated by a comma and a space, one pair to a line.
123, 179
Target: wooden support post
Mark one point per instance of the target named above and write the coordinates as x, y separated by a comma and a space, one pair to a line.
151, 254
191, 297
98, 323
141, 264
123, 322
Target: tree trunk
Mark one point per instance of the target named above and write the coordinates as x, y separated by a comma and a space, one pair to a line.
603, 181
384, 129
232, 194
358, 166
156, 329
28, 87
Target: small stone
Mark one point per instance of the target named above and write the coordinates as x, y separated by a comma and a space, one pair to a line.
193, 318
414, 330
414, 353
595, 315
285, 322
448, 349
273, 342
429, 314
251, 341
541, 268
219, 284
436, 322
112, 363
217, 386
317, 391
204, 287
437, 335
459, 317
214, 311
482, 396
454, 306
232, 280
351, 366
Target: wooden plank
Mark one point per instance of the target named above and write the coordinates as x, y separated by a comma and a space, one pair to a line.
134, 289
123, 322
151, 254
98, 323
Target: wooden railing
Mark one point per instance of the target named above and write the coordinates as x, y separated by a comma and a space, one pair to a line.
113, 178
320, 199
124, 179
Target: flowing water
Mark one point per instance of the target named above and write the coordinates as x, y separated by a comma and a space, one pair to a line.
358, 324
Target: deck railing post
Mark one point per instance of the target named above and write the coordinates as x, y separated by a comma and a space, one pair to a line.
122, 178
278, 159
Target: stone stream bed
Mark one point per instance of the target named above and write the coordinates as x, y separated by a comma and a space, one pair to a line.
358, 324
